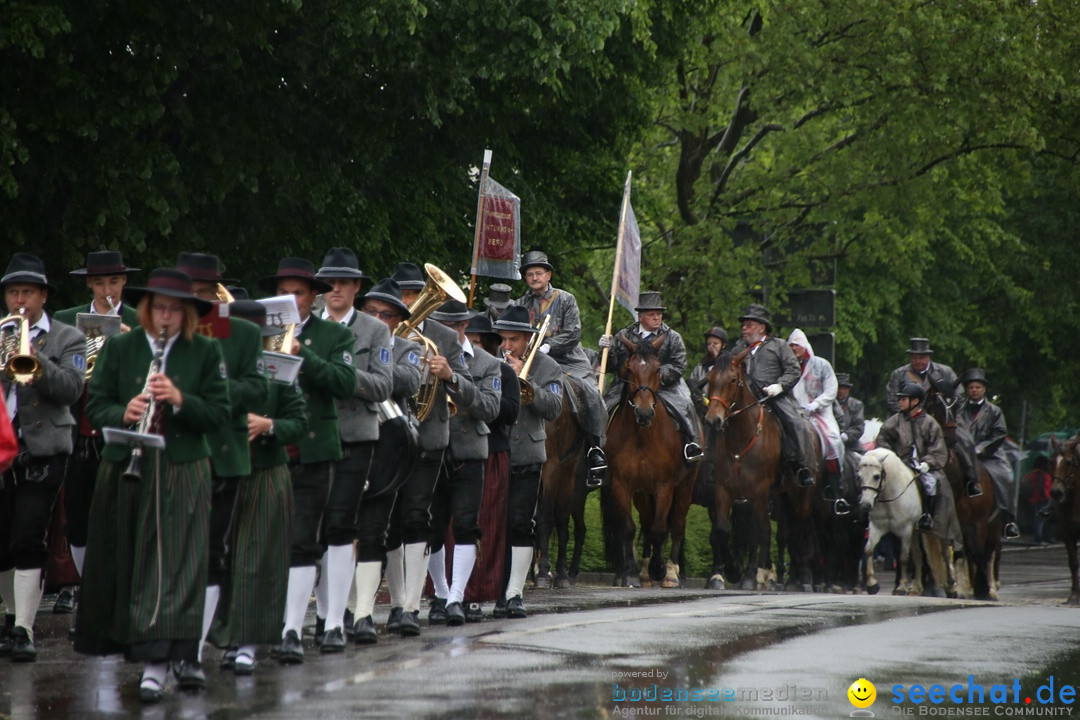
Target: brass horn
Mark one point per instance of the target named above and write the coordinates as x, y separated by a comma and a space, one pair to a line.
19, 365
527, 392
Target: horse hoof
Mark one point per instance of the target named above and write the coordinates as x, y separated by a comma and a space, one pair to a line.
873, 589
562, 583
952, 595
808, 588
748, 584
542, 582
670, 583
716, 582
819, 588
937, 592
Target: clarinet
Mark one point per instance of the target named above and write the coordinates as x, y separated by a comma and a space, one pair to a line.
133, 473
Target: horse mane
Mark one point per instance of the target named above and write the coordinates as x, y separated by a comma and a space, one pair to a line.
740, 358
725, 358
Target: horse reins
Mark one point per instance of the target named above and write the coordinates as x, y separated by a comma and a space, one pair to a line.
877, 490
737, 457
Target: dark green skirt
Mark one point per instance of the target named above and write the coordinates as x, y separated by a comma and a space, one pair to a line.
253, 601
132, 600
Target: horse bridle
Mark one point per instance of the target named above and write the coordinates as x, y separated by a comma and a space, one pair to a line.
728, 412
640, 388
881, 482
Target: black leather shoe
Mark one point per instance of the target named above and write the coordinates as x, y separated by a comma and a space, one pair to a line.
347, 624
597, 462
333, 641
364, 631
228, 660
393, 623
65, 603
22, 647
410, 624
1011, 530
320, 630
244, 664
474, 613
926, 522
437, 614
1044, 513
290, 651
499, 611
189, 675
804, 477
692, 453
973, 488
841, 507
515, 608
150, 691
455, 616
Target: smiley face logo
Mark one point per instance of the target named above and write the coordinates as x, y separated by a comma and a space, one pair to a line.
862, 693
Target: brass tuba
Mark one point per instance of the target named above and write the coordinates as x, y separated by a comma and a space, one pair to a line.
19, 365
527, 392
439, 289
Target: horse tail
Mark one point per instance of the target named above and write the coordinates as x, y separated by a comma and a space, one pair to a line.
611, 520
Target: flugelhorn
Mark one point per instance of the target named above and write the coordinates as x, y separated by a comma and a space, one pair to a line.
94, 343
439, 289
527, 392
19, 365
134, 469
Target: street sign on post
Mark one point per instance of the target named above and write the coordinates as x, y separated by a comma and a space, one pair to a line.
824, 344
812, 308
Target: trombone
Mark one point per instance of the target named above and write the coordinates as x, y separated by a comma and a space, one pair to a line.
19, 365
528, 394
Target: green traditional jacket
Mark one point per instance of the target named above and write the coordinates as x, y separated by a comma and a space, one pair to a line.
196, 368
285, 406
327, 375
248, 390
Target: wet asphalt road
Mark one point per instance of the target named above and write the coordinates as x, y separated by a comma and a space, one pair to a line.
600, 652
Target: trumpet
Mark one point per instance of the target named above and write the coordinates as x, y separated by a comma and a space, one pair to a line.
19, 365
94, 343
134, 469
439, 289
528, 394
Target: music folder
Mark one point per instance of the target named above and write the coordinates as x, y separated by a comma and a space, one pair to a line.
120, 436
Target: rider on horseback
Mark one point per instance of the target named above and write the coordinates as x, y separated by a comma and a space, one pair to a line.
986, 423
816, 391
672, 354
911, 433
772, 371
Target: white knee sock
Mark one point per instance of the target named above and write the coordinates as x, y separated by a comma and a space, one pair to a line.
301, 580
7, 590
464, 560
78, 556
339, 561
436, 567
322, 587
27, 598
368, 577
395, 576
415, 574
520, 560
213, 594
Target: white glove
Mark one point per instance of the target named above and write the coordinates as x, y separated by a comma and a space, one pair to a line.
922, 468
811, 407
604, 342
545, 348
774, 389
844, 437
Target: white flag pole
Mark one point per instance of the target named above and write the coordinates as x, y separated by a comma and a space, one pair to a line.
479, 219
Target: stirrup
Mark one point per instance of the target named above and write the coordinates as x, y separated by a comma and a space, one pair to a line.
597, 467
841, 507
1011, 530
973, 489
692, 453
804, 477
926, 522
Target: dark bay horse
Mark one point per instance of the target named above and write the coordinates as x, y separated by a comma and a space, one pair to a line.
1065, 504
980, 523
562, 496
745, 446
646, 469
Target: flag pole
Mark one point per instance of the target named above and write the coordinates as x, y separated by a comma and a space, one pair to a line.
479, 220
615, 279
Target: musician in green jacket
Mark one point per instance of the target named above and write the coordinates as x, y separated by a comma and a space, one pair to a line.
328, 374
147, 552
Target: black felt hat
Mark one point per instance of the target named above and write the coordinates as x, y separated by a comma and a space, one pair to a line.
340, 263
388, 292
202, 267
169, 282
104, 262
294, 268
759, 314
515, 319
25, 268
409, 276
453, 311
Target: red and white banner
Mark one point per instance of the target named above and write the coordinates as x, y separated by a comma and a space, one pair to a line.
498, 240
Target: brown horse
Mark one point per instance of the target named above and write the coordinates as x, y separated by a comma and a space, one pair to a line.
562, 496
980, 523
646, 468
1065, 504
745, 446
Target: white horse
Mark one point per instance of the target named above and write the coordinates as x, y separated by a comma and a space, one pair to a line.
888, 493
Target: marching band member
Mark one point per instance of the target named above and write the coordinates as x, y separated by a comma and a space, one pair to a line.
410, 524
358, 424
672, 354
461, 485
327, 376
38, 407
384, 302
106, 274
564, 346
527, 448
230, 457
147, 548
487, 581
259, 541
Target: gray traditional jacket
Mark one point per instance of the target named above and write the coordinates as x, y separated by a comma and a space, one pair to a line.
478, 403
373, 361
849, 416
435, 430
528, 436
936, 375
